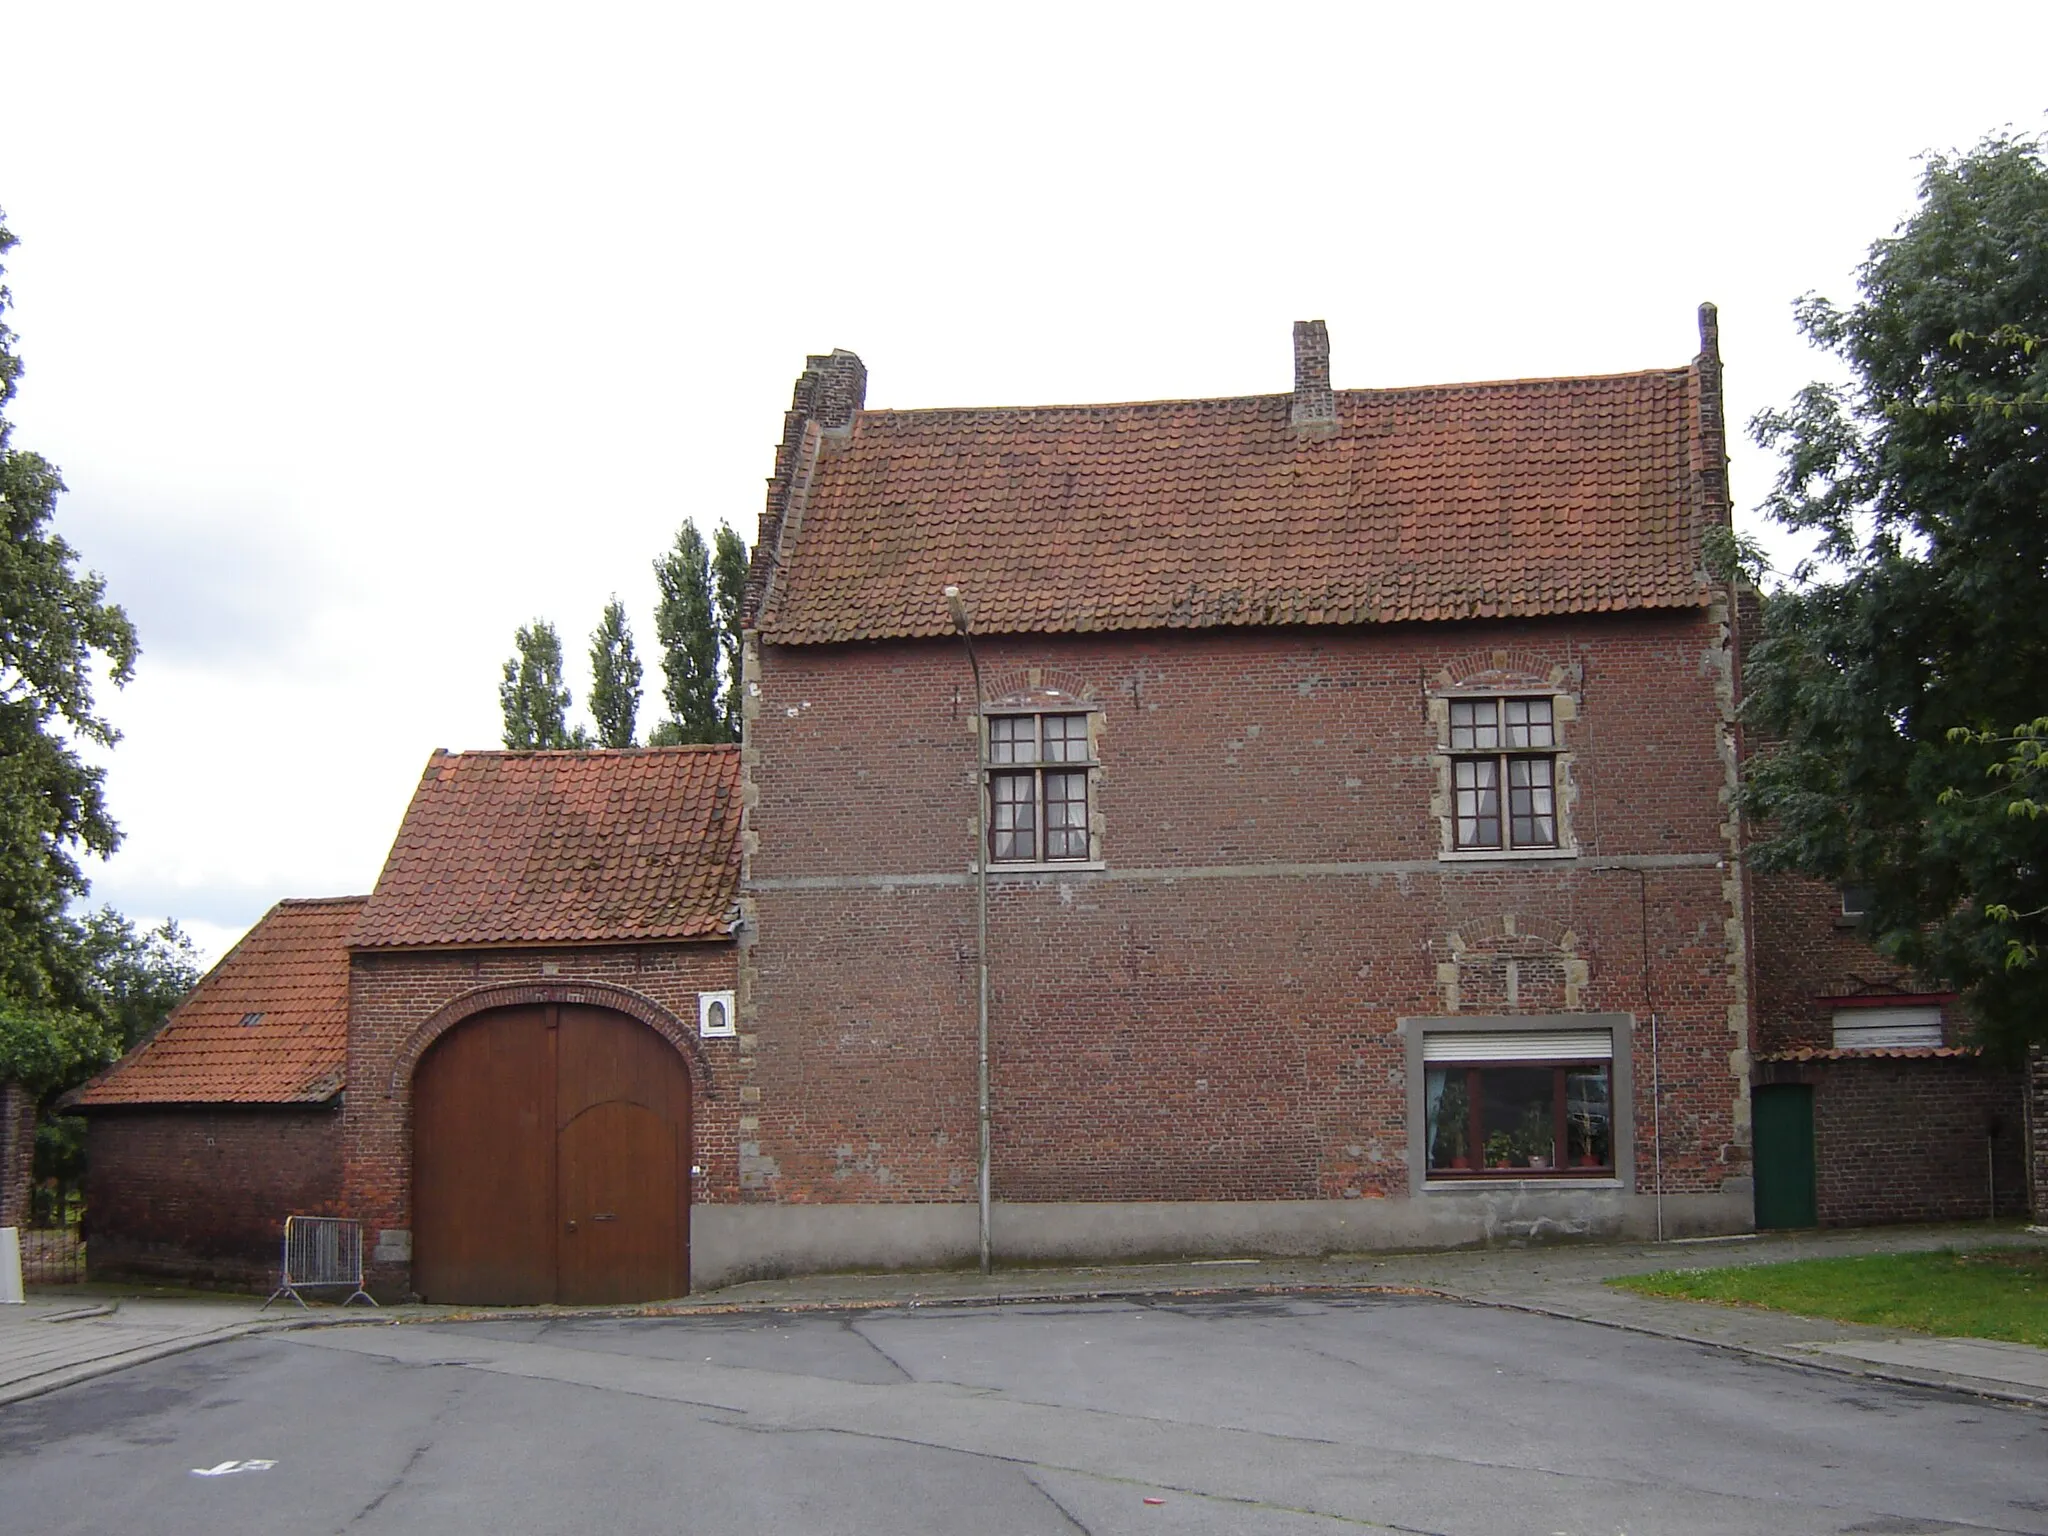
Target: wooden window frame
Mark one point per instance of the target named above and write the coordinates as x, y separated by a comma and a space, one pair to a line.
1038, 770
1560, 1139
1503, 757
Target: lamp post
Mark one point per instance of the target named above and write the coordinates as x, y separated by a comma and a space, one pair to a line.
956, 608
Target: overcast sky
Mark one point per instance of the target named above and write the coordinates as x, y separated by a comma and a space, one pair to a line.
364, 334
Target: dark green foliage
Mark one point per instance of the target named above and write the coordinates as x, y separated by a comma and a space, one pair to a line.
1918, 641
614, 678
685, 624
729, 586
532, 694
56, 629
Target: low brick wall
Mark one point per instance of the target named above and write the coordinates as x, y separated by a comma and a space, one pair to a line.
1913, 1139
198, 1196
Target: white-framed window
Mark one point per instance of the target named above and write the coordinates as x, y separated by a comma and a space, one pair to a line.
1038, 787
715, 1020
1911, 1026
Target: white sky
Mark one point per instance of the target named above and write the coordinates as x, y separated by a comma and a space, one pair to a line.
364, 334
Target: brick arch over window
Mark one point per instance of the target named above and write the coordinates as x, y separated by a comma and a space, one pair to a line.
1040, 688
1506, 670
593, 994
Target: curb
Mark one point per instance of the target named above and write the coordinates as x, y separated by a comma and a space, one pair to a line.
1797, 1359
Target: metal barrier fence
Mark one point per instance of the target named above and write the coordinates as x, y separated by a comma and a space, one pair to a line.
53, 1255
321, 1250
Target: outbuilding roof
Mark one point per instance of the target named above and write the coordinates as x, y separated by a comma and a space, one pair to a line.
267, 1025
1461, 501
516, 848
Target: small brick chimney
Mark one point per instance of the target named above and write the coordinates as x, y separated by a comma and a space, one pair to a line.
1315, 403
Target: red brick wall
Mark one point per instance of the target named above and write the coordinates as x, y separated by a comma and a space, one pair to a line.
1805, 951
1177, 1027
199, 1196
393, 997
1926, 1139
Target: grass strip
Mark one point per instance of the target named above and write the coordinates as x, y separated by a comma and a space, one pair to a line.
1984, 1293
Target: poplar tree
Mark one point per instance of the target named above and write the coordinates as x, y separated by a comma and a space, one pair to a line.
684, 623
729, 583
614, 678
532, 694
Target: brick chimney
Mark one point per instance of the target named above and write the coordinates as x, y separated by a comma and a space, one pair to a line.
1315, 403
829, 394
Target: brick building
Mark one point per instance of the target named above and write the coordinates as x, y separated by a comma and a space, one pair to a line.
202, 1139
1872, 1103
540, 1029
1326, 812
1356, 767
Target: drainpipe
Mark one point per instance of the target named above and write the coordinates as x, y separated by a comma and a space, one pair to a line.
956, 607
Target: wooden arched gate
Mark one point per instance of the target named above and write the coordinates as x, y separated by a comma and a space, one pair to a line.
551, 1160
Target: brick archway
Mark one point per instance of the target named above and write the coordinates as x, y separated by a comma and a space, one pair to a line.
594, 994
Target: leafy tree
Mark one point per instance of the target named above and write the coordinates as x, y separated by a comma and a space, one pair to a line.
685, 625
614, 678
729, 584
532, 694
137, 976
56, 630
1895, 669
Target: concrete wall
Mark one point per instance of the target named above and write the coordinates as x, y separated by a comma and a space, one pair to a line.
198, 1196
733, 1243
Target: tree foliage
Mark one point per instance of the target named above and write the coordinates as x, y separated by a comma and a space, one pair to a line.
686, 626
117, 986
1896, 670
729, 587
57, 631
614, 678
532, 695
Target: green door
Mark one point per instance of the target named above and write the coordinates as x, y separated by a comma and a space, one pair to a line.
1784, 1155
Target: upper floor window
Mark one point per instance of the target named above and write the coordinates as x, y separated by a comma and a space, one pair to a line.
1038, 788
1503, 773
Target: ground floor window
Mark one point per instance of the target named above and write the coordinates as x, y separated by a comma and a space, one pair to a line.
1530, 1106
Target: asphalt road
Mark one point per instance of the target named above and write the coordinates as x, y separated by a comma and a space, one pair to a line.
1267, 1415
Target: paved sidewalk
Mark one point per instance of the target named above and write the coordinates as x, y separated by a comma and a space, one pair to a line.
55, 1340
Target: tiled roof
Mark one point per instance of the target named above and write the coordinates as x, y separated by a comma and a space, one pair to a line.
268, 1025
1881, 1052
1458, 501
562, 847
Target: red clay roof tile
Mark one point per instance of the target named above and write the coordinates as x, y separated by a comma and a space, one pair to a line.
267, 1025
1459, 501
562, 847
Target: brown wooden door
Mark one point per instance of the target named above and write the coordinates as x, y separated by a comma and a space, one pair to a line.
551, 1161
623, 1109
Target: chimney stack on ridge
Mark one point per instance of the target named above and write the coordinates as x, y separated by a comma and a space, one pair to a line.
1315, 403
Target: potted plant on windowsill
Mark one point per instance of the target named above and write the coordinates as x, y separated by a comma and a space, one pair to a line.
1500, 1150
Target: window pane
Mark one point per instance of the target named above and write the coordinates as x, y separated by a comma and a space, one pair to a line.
1066, 815
1013, 816
1473, 724
1518, 1117
1066, 738
1588, 1118
1529, 723
1532, 802
1013, 739
1447, 1109
1477, 782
